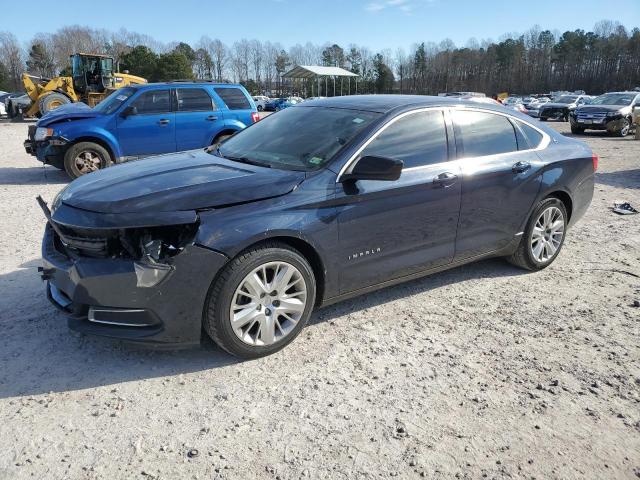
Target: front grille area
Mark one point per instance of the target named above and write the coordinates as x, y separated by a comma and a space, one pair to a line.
553, 112
82, 242
597, 117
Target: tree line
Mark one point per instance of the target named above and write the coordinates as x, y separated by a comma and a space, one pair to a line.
604, 59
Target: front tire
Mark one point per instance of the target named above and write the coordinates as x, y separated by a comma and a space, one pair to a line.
260, 108
543, 237
577, 130
261, 301
85, 157
624, 130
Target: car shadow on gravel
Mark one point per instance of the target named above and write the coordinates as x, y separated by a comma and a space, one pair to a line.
38, 353
485, 269
620, 178
32, 176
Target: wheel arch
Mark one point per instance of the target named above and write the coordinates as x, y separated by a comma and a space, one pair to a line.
308, 251
565, 198
226, 130
100, 141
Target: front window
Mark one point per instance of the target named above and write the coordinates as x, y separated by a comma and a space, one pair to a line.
622, 99
299, 138
113, 101
566, 99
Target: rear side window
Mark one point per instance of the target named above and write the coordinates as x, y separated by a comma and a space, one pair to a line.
234, 98
153, 101
193, 100
417, 139
533, 136
483, 133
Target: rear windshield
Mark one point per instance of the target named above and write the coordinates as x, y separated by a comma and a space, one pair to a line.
234, 98
113, 101
298, 138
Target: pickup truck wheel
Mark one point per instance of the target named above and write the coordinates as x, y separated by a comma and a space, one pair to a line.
543, 237
85, 157
261, 301
51, 102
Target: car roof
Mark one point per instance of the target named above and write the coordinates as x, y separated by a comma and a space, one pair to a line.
387, 103
183, 83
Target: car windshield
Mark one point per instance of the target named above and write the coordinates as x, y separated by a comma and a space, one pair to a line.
113, 101
566, 99
298, 138
613, 99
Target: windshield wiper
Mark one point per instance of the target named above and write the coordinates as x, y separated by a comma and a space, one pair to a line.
246, 160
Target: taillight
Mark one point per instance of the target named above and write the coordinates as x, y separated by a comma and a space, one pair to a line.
255, 116
594, 157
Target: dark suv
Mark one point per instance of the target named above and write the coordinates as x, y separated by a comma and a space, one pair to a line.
314, 204
611, 112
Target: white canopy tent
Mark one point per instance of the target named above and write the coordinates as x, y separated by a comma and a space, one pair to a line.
315, 74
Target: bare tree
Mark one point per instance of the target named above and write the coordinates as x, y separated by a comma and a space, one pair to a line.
11, 57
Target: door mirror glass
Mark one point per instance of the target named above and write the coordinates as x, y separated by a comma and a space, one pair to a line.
375, 168
128, 111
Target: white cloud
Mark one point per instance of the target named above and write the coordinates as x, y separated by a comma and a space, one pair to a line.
404, 6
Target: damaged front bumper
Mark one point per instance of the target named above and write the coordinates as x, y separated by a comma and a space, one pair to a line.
130, 299
50, 150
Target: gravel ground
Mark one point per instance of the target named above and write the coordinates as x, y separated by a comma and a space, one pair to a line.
484, 371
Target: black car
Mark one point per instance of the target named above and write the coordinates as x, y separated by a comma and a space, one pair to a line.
317, 203
611, 112
560, 108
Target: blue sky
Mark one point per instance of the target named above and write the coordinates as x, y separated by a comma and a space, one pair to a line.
377, 24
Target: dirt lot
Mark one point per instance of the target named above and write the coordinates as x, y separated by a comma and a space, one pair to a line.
480, 372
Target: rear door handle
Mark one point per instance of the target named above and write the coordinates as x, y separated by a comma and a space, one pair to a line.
163, 121
211, 118
444, 180
520, 167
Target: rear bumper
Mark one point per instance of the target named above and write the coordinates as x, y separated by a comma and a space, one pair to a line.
102, 296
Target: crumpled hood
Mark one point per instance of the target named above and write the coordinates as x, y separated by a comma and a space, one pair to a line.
179, 181
70, 111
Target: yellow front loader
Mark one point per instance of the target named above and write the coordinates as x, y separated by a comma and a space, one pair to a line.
92, 80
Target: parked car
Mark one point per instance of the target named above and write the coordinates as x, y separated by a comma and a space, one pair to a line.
260, 101
519, 107
278, 104
560, 108
324, 201
17, 104
611, 112
138, 121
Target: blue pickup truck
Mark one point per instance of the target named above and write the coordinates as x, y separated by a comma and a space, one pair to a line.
138, 121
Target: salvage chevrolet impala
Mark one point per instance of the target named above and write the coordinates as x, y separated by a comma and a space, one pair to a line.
317, 203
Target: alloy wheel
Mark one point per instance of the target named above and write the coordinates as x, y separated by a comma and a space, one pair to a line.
268, 304
547, 234
87, 161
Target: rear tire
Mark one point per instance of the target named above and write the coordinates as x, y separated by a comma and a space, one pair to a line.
543, 237
52, 101
247, 340
85, 157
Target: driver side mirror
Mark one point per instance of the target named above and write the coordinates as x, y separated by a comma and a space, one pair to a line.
128, 111
375, 168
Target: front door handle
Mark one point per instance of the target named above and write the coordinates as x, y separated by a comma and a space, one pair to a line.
520, 167
444, 180
212, 118
163, 121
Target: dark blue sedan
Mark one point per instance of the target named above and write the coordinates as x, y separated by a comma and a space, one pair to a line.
327, 200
